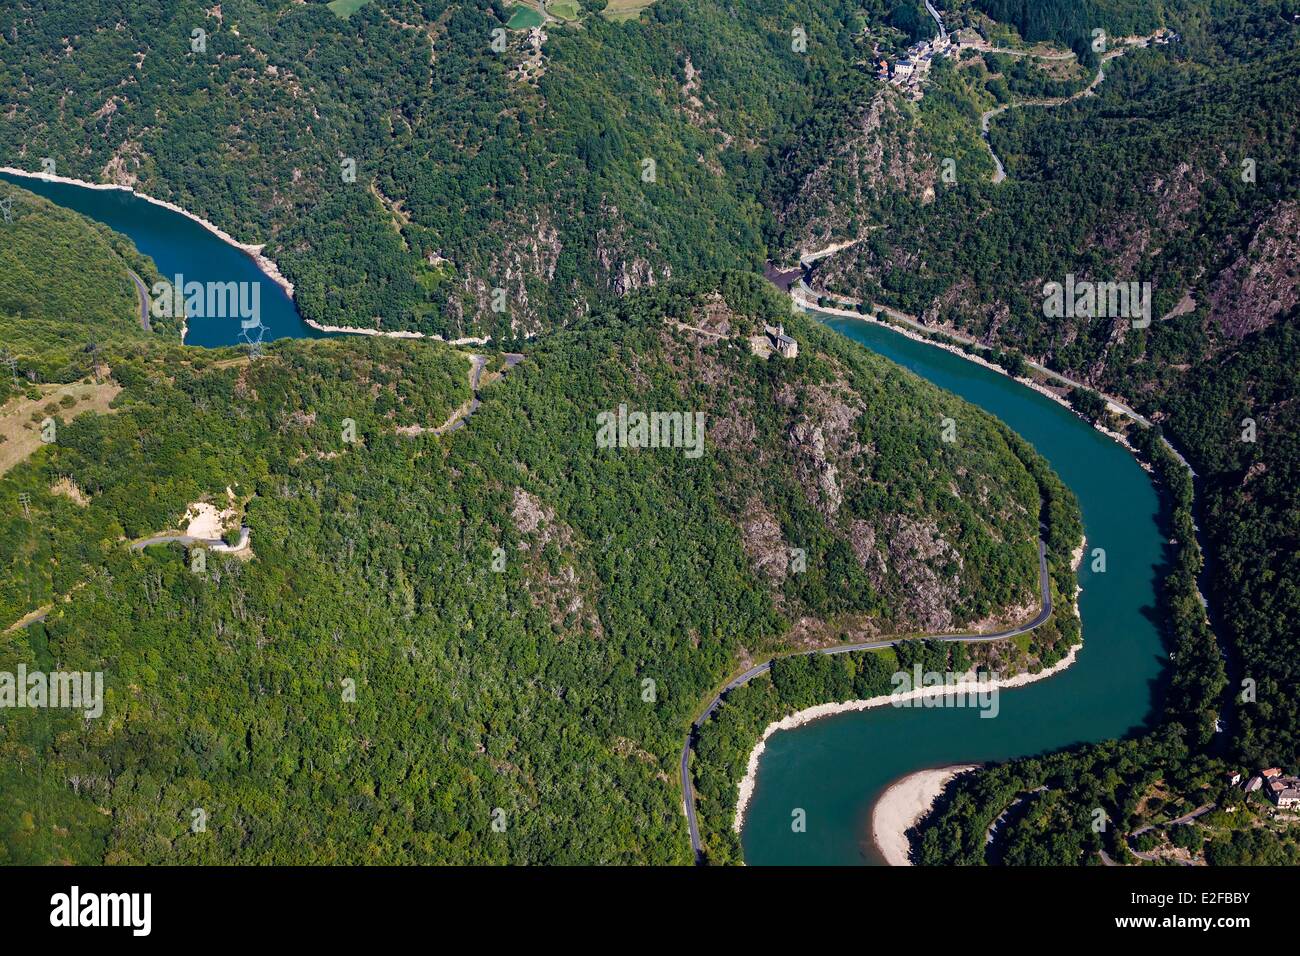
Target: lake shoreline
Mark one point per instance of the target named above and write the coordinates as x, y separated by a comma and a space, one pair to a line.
252, 250
397, 334
265, 263
1029, 383
749, 783
903, 804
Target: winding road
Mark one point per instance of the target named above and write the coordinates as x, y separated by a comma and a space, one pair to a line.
213, 544
142, 291
935, 13
1155, 857
1000, 173
740, 680
460, 417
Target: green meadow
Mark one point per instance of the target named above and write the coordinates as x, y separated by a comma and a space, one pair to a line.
625, 9
524, 18
345, 8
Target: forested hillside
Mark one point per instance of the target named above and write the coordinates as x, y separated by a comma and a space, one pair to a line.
65, 287
484, 646
502, 599
606, 158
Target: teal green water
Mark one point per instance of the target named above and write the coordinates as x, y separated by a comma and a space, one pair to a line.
835, 768
180, 246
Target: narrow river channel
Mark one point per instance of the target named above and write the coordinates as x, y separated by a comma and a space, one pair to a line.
836, 768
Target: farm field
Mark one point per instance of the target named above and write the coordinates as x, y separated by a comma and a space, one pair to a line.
20, 430
563, 9
625, 9
525, 18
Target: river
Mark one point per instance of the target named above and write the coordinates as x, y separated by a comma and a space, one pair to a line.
836, 768
180, 246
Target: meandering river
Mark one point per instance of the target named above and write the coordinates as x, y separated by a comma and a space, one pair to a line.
834, 769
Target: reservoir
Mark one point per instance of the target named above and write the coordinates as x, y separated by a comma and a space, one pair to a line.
836, 768
180, 246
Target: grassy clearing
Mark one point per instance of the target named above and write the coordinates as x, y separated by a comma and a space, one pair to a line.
524, 18
564, 9
345, 8
620, 10
20, 434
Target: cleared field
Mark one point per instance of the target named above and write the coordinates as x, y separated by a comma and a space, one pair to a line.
625, 9
563, 9
22, 434
345, 8
524, 18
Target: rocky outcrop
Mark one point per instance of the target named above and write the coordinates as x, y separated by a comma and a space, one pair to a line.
558, 587
824, 442
879, 152
818, 473
620, 270
919, 555
765, 546
531, 257
1263, 282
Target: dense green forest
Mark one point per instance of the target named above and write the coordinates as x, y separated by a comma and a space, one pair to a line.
475, 169
507, 623
65, 286
698, 137
1072, 22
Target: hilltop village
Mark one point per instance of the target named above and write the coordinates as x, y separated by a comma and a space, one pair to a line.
910, 71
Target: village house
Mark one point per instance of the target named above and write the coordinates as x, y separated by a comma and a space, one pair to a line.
913, 68
1285, 792
1282, 789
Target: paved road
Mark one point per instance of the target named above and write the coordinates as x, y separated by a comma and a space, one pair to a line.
1185, 818
142, 291
214, 544
1000, 173
460, 416
807, 299
935, 13
688, 790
